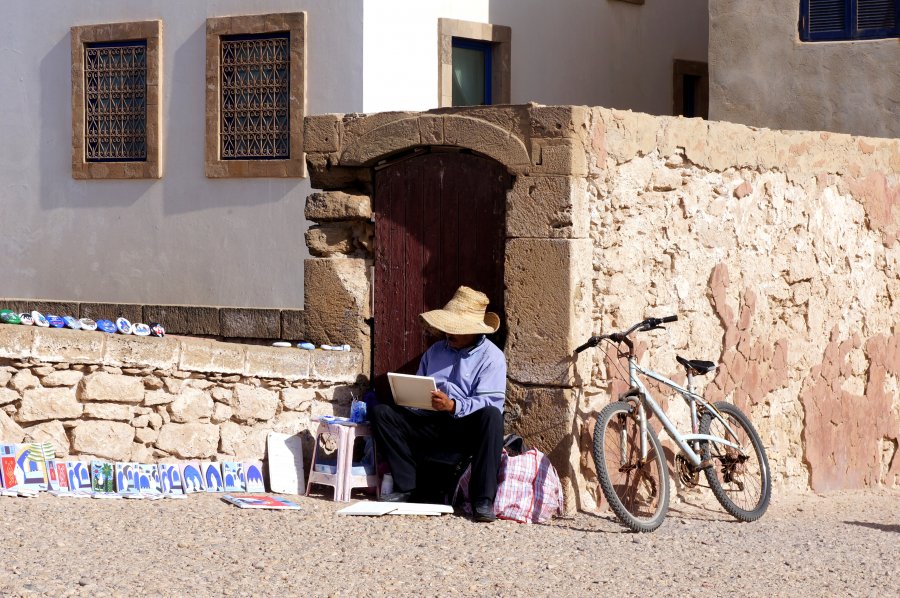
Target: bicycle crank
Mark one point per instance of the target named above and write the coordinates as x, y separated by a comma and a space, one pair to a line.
688, 476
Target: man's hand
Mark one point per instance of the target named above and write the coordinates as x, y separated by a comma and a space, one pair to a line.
441, 402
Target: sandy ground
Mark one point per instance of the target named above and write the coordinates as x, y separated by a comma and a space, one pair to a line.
844, 544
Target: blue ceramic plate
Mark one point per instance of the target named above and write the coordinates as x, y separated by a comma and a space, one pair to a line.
72, 323
141, 329
87, 324
56, 321
124, 326
39, 319
106, 326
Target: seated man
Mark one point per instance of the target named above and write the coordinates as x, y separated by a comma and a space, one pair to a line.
470, 374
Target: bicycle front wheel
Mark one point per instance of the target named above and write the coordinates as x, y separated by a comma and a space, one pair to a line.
636, 489
740, 480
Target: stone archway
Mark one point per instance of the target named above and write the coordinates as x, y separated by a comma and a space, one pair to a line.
547, 254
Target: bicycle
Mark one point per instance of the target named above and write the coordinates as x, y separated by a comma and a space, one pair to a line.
631, 466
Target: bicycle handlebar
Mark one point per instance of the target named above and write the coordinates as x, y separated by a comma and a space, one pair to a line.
618, 337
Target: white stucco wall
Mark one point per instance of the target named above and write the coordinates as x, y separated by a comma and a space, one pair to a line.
847, 87
401, 50
601, 53
184, 238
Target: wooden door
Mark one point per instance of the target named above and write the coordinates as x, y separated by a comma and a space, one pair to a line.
440, 222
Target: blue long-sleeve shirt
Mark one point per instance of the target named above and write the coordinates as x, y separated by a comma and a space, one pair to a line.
474, 377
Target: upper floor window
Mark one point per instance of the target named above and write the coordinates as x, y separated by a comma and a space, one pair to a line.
471, 72
115, 100
829, 20
255, 95
473, 59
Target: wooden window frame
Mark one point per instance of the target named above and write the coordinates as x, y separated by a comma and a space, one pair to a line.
500, 38
294, 23
151, 167
697, 69
850, 31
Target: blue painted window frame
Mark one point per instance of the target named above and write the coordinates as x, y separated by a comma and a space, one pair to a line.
849, 31
487, 50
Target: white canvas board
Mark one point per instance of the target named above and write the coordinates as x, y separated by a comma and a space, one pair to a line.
285, 454
412, 391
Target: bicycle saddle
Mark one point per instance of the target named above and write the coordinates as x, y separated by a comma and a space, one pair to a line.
698, 366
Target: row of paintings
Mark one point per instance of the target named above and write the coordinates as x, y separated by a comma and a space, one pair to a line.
31, 467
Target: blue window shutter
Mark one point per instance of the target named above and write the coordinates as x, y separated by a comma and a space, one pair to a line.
824, 20
876, 18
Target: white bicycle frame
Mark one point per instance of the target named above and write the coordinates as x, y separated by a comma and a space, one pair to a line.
690, 398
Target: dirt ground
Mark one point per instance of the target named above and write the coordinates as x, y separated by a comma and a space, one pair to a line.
843, 544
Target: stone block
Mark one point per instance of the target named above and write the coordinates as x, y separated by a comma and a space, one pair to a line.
544, 417
157, 397
548, 207
191, 405
548, 303
293, 324
336, 366
200, 355
564, 157
106, 439
330, 206
336, 301
322, 133
559, 121
23, 380
221, 413
323, 174
112, 411
71, 346
106, 387
137, 351
243, 442
62, 378
189, 441
8, 395
10, 431
490, 139
338, 238
249, 323
288, 363
52, 432
16, 341
184, 319
146, 435
133, 312
297, 399
253, 403
40, 404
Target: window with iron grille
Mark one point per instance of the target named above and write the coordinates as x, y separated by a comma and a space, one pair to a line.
115, 101
255, 97
835, 20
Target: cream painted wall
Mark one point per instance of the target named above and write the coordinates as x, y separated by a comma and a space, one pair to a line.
601, 52
848, 87
184, 238
401, 50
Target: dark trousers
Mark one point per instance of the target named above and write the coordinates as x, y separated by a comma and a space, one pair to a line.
407, 439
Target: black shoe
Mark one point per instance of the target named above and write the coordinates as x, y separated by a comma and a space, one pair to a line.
483, 510
395, 497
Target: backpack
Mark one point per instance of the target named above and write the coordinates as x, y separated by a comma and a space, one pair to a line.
528, 489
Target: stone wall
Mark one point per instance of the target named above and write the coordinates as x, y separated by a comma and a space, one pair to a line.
147, 399
779, 252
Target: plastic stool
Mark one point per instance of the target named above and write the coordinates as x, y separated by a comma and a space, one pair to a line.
342, 480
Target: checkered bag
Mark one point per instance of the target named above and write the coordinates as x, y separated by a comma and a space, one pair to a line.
528, 489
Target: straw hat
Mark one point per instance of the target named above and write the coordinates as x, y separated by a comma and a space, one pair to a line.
465, 313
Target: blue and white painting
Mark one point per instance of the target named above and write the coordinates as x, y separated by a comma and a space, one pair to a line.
191, 477
170, 478
212, 476
148, 481
254, 477
31, 472
126, 478
79, 476
233, 476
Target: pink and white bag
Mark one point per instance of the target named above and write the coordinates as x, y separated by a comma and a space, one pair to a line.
528, 488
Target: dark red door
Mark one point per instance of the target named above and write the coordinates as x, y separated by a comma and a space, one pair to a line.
440, 222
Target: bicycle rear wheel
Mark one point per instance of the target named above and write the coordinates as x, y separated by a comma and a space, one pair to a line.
637, 490
741, 480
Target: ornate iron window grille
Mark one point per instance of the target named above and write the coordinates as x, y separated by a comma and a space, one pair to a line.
115, 101
255, 97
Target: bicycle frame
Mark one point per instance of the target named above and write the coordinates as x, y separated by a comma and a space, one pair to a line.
689, 396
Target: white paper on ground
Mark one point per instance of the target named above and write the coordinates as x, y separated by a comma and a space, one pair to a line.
372, 508
285, 457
